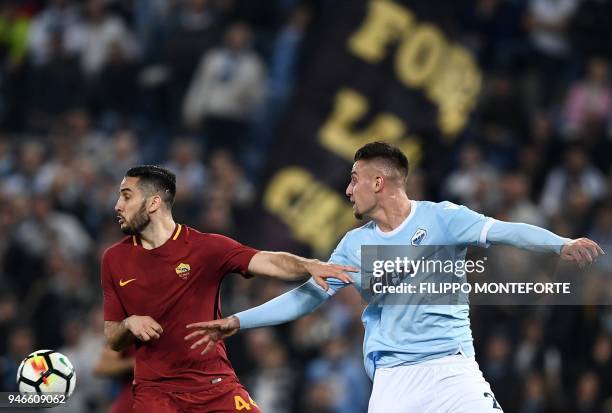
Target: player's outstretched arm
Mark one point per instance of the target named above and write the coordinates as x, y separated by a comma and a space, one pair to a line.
284, 308
121, 334
290, 267
581, 250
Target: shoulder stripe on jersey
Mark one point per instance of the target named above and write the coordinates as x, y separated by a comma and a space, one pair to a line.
178, 231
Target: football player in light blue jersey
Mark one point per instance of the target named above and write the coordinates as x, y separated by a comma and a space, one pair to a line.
422, 352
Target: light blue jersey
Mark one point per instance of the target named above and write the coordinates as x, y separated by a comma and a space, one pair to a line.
407, 334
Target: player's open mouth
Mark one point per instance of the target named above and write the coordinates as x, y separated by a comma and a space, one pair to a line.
120, 220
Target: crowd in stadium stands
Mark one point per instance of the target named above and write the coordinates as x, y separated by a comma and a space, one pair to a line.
90, 88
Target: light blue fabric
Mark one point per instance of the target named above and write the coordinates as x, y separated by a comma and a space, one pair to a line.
408, 334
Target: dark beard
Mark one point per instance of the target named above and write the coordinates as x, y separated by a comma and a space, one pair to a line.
358, 215
140, 221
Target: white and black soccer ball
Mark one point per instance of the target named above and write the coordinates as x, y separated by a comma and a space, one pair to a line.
46, 371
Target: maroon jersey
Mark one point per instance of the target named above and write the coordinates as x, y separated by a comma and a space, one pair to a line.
176, 284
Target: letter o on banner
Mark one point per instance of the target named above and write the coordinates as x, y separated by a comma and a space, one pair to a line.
419, 55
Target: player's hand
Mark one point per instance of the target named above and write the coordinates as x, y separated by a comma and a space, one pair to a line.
582, 250
320, 271
212, 331
143, 327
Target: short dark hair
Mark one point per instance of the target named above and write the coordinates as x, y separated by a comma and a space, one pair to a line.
155, 179
383, 150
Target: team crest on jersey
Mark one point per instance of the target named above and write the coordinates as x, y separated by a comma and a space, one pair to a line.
182, 270
418, 236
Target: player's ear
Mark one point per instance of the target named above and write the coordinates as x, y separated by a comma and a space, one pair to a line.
379, 182
154, 203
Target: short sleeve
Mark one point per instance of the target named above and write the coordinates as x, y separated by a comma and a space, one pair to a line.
113, 310
235, 257
464, 226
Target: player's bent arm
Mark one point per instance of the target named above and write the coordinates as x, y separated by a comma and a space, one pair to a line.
118, 336
289, 267
287, 307
111, 364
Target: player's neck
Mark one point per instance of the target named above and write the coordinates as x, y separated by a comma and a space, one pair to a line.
157, 233
393, 212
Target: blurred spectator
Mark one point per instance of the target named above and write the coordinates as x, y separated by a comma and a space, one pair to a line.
587, 394
148, 19
576, 178
228, 175
83, 343
55, 85
285, 55
7, 160
282, 75
115, 90
191, 32
14, 27
191, 176
101, 33
8, 316
601, 231
602, 359
542, 151
341, 371
59, 16
226, 90
318, 397
20, 344
272, 385
46, 227
500, 95
547, 22
58, 179
490, 23
497, 367
76, 125
217, 218
21, 181
529, 353
123, 155
535, 395
588, 107
590, 28
474, 183
515, 204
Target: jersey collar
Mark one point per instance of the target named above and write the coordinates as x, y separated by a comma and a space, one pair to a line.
177, 231
400, 227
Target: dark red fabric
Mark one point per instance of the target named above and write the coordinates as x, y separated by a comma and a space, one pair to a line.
176, 284
223, 397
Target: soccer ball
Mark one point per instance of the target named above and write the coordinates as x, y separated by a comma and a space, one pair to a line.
46, 371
